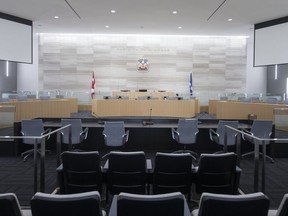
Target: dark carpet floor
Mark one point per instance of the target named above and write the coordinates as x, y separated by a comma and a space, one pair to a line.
17, 177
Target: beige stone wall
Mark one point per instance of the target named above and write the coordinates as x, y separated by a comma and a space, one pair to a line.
66, 62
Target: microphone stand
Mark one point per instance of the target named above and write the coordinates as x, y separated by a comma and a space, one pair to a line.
149, 122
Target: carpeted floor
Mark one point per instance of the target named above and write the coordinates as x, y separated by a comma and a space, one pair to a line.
17, 177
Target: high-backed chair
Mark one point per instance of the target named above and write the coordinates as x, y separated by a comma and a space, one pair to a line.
126, 173
260, 129
172, 173
4, 99
22, 98
80, 172
283, 207
78, 135
9, 205
33, 127
80, 204
223, 98
217, 173
114, 134
255, 204
218, 136
170, 204
44, 97
186, 134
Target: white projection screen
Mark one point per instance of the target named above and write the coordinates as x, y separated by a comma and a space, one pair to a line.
15, 39
271, 42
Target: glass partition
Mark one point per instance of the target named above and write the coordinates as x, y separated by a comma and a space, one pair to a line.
7, 116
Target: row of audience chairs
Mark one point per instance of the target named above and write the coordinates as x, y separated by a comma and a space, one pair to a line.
131, 172
125, 204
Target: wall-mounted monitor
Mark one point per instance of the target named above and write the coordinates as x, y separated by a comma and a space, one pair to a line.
15, 39
271, 42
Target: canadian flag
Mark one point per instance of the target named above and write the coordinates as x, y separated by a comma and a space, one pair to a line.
93, 86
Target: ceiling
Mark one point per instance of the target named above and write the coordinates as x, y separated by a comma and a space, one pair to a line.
196, 17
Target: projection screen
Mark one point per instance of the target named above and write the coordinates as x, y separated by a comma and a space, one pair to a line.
15, 39
271, 42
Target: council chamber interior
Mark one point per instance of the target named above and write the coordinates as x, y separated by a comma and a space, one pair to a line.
76, 106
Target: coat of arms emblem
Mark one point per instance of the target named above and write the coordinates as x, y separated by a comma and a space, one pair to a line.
142, 64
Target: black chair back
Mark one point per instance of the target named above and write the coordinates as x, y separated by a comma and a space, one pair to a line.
81, 172
172, 173
126, 172
80, 204
9, 205
153, 205
255, 204
216, 173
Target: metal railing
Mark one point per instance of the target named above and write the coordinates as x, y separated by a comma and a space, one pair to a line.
42, 152
257, 141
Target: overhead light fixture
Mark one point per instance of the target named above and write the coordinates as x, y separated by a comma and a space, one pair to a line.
113, 11
229, 20
56, 17
107, 26
179, 27
174, 12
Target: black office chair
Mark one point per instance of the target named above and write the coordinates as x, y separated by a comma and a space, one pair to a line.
260, 129
255, 204
170, 204
32, 127
80, 204
217, 173
9, 205
283, 207
126, 173
186, 134
172, 173
78, 135
80, 172
218, 136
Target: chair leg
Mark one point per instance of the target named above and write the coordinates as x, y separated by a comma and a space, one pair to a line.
260, 153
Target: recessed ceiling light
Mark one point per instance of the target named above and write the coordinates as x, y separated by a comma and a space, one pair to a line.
106, 26
113, 11
174, 12
179, 27
229, 20
56, 17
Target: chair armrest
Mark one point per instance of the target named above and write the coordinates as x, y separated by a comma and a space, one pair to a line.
84, 133
212, 133
47, 131
174, 132
126, 136
60, 178
246, 131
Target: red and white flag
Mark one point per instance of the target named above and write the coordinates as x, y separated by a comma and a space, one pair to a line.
93, 86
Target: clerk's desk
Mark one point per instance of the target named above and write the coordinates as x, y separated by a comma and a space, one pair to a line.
241, 110
140, 108
61, 108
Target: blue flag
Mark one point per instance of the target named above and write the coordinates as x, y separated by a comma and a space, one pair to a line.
191, 85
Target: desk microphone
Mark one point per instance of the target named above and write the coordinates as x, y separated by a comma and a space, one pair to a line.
149, 122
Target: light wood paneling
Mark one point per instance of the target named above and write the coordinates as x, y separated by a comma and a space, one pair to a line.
241, 110
159, 108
